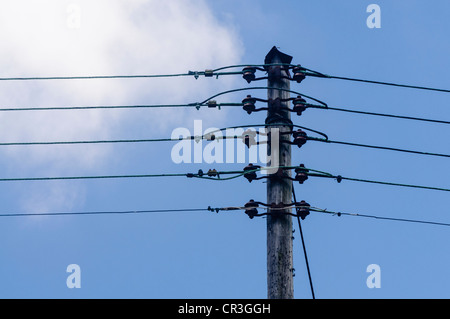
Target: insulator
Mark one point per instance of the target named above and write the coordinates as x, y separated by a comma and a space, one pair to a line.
299, 105
249, 73
300, 138
251, 175
298, 75
303, 209
251, 209
249, 104
301, 174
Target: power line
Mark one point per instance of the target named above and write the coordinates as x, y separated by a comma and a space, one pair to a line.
90, 142
93, 107
394, 184
380, 217
209, 209
130, 212
217, 176
307, 209
196, 74
405, 117
209, 102
322, 75
213, 104
379, 147
340, 178
87, 177
210, 175
390, 84
211, 136
91, 77
139, 106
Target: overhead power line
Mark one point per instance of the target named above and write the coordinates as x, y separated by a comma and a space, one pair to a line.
196, 74
313, 73
303, 209
130, 212
212, 174
211, 136
216, 73
405, 117
380, 217
210, 209
93, 107
210, 103
381, 147
340, 178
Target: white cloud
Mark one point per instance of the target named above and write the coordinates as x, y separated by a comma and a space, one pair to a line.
101, 37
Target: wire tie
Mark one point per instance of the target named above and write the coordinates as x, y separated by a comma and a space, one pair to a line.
194, 73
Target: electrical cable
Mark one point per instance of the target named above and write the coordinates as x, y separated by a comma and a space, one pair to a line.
209, 102
304, 247
210, 175
379, 147
95, 107
131, 212
340, 178
265, 88
209, 137
379, 114
195, 74
321, 75
380, 217
297, 206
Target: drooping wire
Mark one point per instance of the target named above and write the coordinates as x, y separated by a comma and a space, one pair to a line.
209, 102
340, 178
380, 114
296, 205
209, 175
211, 136
380, 147
321, 75
130, 212
209, 209
59, 178
103, 107
217, 176
304, 246
195, 74
314, 209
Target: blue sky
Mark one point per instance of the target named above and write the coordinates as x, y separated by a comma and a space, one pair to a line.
208, 255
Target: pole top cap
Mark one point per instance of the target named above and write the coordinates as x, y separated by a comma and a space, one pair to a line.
275, 53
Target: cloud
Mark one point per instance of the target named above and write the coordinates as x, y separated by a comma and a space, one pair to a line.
102, 37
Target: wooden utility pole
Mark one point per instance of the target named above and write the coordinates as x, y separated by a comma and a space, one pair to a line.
279, 190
